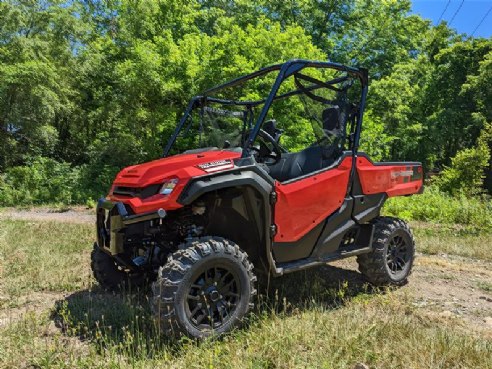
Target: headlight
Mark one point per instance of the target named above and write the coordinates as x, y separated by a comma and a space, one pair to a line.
168, 186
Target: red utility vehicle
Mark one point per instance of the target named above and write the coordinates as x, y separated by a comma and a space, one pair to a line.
238, 197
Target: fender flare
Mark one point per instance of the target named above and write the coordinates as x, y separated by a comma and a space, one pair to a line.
249, 176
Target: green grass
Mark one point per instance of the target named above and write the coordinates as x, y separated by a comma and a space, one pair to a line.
473, 214
379, 330
43, 256
444, 239
485, 286
317, 320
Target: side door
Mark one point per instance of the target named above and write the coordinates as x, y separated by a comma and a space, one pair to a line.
302, 206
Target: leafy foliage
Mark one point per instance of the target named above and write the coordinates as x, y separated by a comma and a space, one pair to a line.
99, 85
375, 140
43, 180
435, 206
467, 171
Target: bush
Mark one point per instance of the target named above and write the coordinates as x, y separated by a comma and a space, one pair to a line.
107, 155
436, 206
467, 171
43, 180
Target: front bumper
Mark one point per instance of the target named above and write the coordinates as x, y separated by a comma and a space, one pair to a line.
111, 220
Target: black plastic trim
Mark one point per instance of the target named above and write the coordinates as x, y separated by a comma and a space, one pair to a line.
362, 245
368, 207
288, 251
302, 264
336, 225
250, 176
140, 192
244, 176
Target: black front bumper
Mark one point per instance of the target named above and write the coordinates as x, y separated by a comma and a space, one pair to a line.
111, 220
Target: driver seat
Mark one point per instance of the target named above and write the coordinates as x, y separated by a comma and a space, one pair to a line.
315, 157
331, 118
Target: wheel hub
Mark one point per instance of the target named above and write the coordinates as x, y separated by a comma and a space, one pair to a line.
212, 298
398, 255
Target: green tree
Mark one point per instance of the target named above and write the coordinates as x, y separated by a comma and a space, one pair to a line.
448, 104
100, 84
466, 173
38, 42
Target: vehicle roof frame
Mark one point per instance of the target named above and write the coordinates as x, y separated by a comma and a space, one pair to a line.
285, 70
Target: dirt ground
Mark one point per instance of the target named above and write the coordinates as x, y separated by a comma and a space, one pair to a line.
447, 286
78, 215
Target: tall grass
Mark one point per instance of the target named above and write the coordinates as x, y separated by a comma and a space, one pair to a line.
383, 331
43, 257
470, 213
322, 318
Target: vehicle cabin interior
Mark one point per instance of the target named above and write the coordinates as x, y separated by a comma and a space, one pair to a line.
319, 155
305, 127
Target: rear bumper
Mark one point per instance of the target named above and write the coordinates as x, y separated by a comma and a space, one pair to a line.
111, 220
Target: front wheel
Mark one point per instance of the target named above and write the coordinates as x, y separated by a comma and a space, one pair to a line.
393, 251
110, 276
205, 288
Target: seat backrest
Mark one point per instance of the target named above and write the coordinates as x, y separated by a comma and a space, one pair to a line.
332, 128
294, 165
331, 118
314, 157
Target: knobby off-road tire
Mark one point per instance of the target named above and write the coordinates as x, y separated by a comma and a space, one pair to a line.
109, 276
391, 260
205, 288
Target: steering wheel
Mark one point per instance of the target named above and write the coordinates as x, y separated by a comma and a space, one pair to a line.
264, 152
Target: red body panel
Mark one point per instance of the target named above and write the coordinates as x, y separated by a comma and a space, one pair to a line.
184, 167
303, 204
395, 180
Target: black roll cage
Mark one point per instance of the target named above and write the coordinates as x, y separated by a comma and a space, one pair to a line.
286, 69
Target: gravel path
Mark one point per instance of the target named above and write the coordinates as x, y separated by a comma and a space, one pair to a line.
78, 214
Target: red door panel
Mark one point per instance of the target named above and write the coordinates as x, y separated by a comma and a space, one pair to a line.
303, 204
394, 179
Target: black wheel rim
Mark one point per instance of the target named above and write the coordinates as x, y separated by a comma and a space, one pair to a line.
212, 298
397, 255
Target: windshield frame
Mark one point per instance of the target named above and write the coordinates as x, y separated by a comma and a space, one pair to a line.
285, 70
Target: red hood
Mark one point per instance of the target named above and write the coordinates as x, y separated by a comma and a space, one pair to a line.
183, 166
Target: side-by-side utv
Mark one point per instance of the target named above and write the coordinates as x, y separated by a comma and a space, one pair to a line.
262, 176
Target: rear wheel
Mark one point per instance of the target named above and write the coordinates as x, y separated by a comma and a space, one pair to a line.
205, 288
391, 260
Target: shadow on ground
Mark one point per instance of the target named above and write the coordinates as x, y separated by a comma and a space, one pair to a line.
327, 285
111, 318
